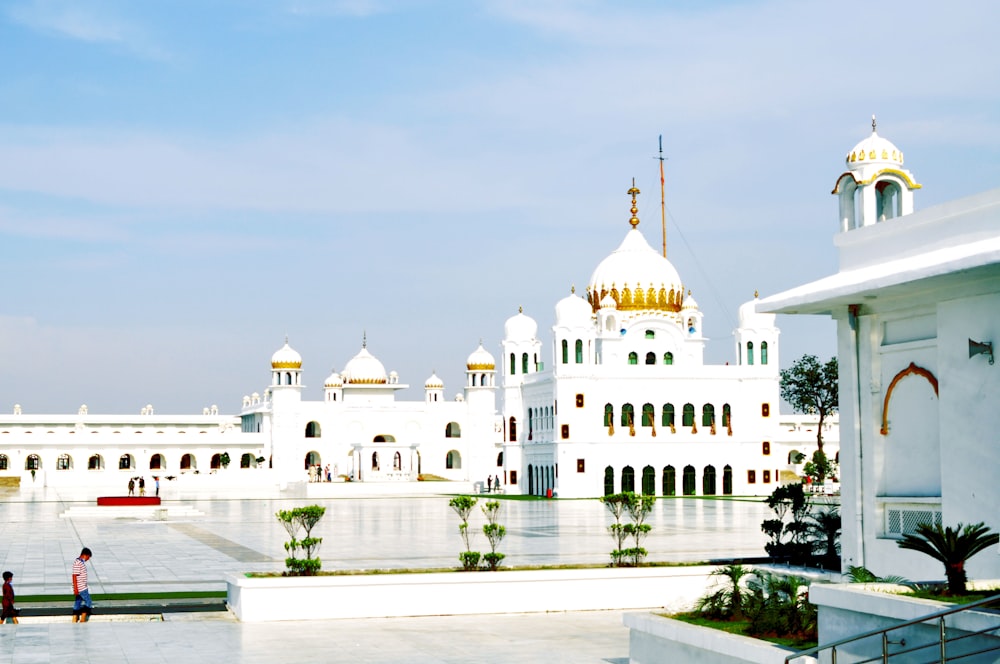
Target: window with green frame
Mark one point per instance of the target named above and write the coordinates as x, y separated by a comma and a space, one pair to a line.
707, 415
650, 334
749, 352
513, 364
609, 415
668, 415
609, 481
648, 414
668, 358
565, 352
650, 358
763, 352
648, 481
524, 363
628, 479
688, 417
689, 481
628, 416
579, 351
726, 414
669, 481
633, 358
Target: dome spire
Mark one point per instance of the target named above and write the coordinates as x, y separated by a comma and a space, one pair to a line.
364, 338
634, 191
873, 123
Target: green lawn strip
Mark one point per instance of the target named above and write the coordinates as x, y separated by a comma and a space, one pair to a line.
739, 627
439, 570
105, 597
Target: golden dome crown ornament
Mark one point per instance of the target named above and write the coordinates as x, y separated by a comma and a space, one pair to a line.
633, 192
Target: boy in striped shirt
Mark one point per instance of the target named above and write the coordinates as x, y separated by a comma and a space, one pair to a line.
81, 591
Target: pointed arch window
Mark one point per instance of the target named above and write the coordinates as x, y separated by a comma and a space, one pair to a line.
763, 352
609, 415
688, 416
650, 334
708, 481
689, 481
707, 415
609, 481
513, 364
648, 414
750, 352
648, 481
565, 351
726, 414
628, 416
628, 479
513, 429
579, 351
668, 358
650, 358
524, 363
669, 481
727, 480
633, 358
668, 415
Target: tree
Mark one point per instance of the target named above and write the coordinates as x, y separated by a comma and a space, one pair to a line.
811, 388
494, 533
294, 520
463, 507
951, 546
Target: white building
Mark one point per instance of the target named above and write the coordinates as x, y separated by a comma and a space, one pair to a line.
917, 305
628, 404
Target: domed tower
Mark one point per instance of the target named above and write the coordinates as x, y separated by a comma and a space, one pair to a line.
573, 334
333, 388
286, 374
756, 337
434, 389
520, 347
692, 317
875, 186
480, 381
366, 380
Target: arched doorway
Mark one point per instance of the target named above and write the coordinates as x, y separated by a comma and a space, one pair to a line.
628, 479
609, 481
648, 481
669, 481
689, 481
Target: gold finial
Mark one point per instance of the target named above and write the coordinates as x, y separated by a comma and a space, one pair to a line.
364, 338
689, 292
520, 310
633, 192
572, 289
755, 294
873, 123
286, 339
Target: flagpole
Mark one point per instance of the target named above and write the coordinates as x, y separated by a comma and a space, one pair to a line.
663, 202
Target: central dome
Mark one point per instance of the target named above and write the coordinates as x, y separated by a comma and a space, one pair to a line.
637, 277
364, 369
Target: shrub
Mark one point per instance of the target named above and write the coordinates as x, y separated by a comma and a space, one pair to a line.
301, 519
637, 507
494, 533
951, 546
463, 508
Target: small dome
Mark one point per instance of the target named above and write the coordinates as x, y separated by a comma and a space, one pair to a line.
333, 380
434, 383
520, 328
874, 150
286, 358
481, 360
608, 302
690, 303
749, 318
364, 369
573, 311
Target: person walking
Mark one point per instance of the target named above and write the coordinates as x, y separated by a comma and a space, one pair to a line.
8, 612
82, 604
131, 486
489, 483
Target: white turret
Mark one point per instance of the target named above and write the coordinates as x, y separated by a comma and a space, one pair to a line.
756, 337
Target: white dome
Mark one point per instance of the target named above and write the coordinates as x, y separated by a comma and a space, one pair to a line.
334, 380
364, 369
573, 311
481, 360
690, 303
749, 317
434, 383
520, 328
874, 150
637, 277
608, 302
286, 358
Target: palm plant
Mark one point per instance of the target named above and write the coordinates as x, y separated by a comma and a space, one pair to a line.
951, 546
727, 601
824, 528
860, 574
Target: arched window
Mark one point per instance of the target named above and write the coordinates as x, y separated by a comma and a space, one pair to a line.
500, 460
452, 430
313, 430
707, 415
64, 462
669, 481
633, 358
650, 334
727, 480
312, 459
125, 462
246, 461
33, 462
579, 351
628, 416
708, 481
453, 461
4, 462
531, 423
397, 461
689, 480
513, 364
628, 479
375, 465
384, 438
648, 481
668, 358
531, 481
157, 462
188, 462
513, 429
668, 415
651, 358
609, 415
763, 352
609, 481
565, 351
216, 461
688, 416
648, 413
749, 352
95, 462
524, 363
726, 414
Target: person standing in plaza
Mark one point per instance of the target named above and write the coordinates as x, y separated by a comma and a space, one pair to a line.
156, 478
142, 486
8, 612
82, 604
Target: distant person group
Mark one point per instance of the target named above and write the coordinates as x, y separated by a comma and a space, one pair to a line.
318, 473
493, 484
142, 485
83, 606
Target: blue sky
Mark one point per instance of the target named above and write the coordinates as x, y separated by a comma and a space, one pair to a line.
182, 184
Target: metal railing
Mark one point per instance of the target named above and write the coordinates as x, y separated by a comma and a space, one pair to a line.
940, 644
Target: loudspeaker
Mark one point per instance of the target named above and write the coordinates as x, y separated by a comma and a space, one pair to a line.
981, 348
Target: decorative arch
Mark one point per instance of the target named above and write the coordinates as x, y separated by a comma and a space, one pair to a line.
453, 460
913, 369
384, 438
453, 430
157, 462
313, 430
